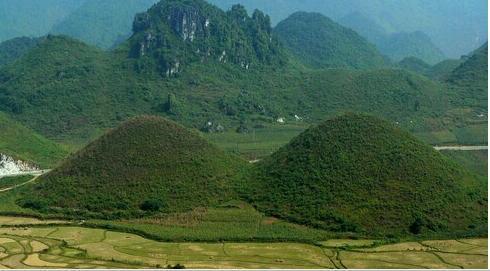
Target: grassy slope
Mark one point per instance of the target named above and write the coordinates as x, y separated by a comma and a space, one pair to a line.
233, 221
476, 161
356, 173
24, 144
7, 182
319, 42
146, 159
258, 142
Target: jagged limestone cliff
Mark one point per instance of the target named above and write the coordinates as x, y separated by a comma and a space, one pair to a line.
176, 32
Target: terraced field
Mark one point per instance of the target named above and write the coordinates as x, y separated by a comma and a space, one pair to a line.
70, 246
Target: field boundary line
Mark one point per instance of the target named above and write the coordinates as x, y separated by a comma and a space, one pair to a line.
444, 261
459, 241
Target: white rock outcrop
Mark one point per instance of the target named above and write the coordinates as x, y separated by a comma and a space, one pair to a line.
10, 166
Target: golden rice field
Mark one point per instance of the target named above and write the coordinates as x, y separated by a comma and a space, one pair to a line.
70, 246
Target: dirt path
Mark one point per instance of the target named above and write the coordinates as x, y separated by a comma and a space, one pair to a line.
461, 148
35, 173
19, 185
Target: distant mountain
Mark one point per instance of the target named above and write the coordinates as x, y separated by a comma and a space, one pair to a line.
35, 18
414, 64
13, 49
454, 26
102, 23
397, 46
24, 144
442, 70
319, 42
174, 33
32, 18
148, 164
356, 173
400, 45
473, 70
471, 79
366, 27
439, 72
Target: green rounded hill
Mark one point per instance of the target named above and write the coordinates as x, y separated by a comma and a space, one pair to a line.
146, 164
356, 173
319, 42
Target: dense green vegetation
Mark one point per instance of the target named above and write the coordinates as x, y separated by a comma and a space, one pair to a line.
476, 161
72, 92
471, 78
356, 173
102, 23
147, 165
79, 91
319, 42
13, 49
415, 64
24, 144
59, 70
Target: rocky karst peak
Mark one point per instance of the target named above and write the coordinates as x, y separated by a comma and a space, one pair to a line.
174, 33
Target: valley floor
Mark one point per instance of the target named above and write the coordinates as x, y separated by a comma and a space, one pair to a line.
32, 243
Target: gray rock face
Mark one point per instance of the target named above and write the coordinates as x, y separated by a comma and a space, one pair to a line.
186, 22
175, 33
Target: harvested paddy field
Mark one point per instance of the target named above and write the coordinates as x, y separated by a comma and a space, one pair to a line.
77, 247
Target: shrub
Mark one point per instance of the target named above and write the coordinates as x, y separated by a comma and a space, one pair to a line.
151, 205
